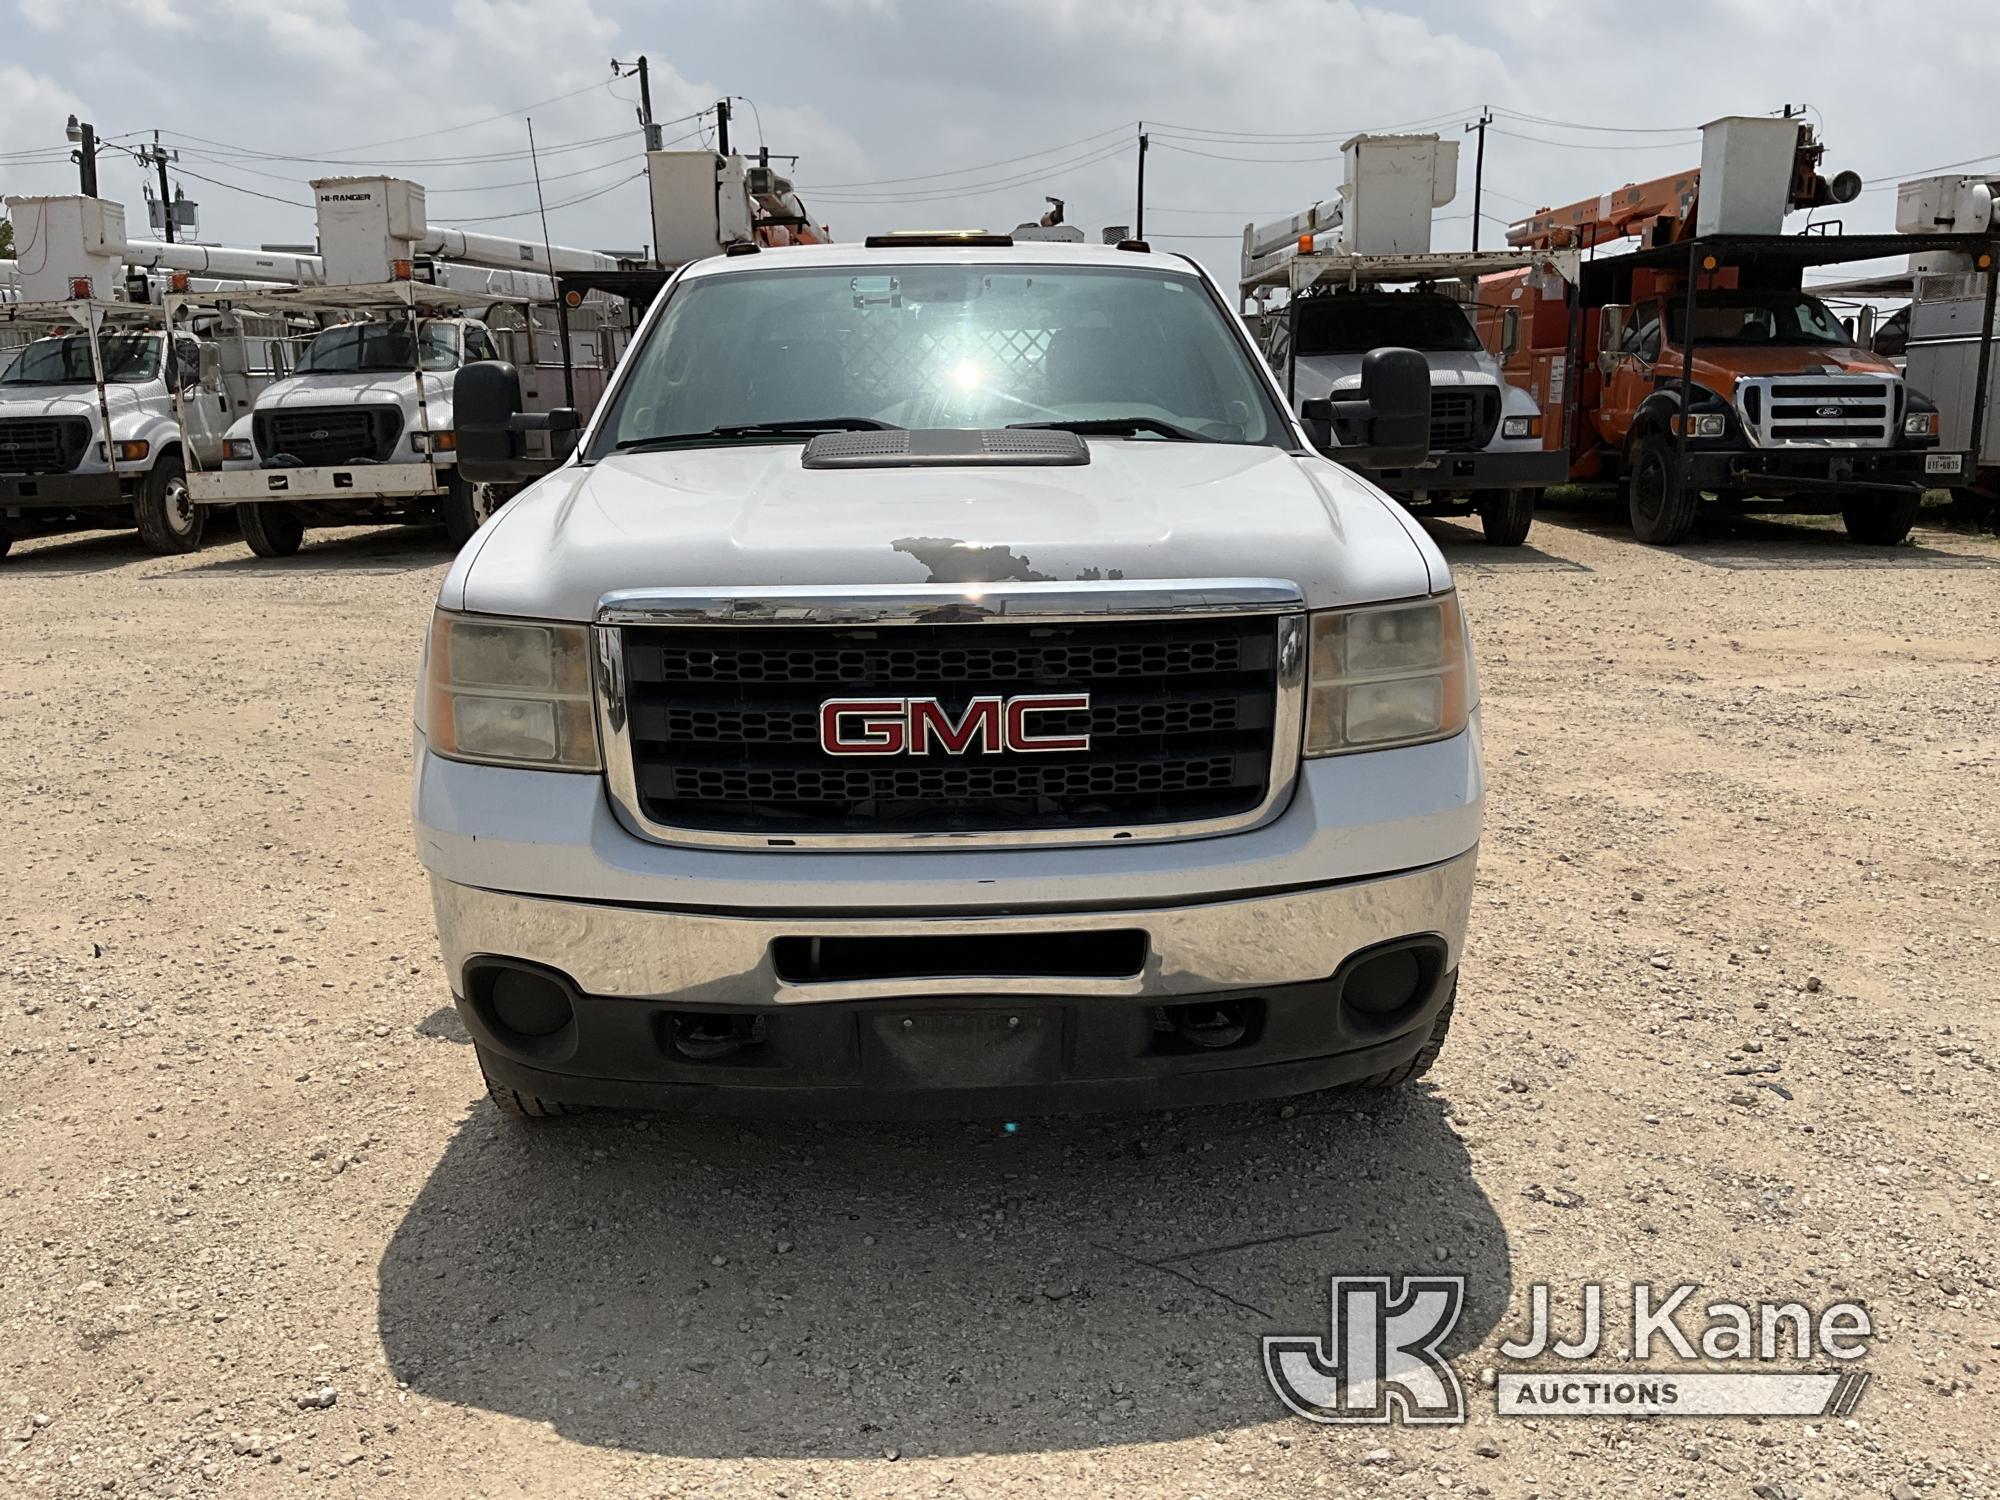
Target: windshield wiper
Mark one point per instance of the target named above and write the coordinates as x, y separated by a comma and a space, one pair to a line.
1120, 427
804, 428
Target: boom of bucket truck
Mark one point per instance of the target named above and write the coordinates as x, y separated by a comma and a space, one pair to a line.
1704, 368
1357, 273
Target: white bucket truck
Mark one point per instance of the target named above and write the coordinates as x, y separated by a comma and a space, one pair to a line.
362, 431
1358, 273
107, 399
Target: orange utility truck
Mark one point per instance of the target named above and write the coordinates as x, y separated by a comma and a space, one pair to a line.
1701, 370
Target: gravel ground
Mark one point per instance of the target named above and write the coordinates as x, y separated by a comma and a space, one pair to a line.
1727, 1017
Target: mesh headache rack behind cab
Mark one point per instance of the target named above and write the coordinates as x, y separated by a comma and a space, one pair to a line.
1177, 723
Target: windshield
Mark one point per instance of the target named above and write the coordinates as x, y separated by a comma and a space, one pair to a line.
1752, 318
943, 346
379, 346
1356, 324
129, 359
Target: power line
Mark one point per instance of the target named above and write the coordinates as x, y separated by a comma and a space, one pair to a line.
1888, 177
566, 203
250, 192
228, 151
976, 189
1220, 156
1515, 114
1307, 137
424, 135
1593, 146
982, 167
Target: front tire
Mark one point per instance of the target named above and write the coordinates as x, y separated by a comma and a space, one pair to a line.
6, 541
1419, 1065
1506, 515
272, 530
169, 520
1662, 507
466, 508
1883, 521
519, 1106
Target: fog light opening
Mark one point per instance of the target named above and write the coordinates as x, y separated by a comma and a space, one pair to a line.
704, 1037
1392, 979
1210, 1025
529, 1004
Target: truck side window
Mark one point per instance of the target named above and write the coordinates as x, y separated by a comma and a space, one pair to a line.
478, 345
186, 362
1643, 337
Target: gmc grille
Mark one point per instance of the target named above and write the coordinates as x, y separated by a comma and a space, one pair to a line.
1462, 418
1796, 410
724, 725
42, 445
328, 436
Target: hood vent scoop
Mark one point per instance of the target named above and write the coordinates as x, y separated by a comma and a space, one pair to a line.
931, 446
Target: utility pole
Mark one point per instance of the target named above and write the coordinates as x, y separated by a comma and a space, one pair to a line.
722, 127
1139, 212
1479, 167
85, 156
157, 156
652, 131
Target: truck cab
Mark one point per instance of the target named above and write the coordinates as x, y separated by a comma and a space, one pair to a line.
62, 466
1488, 453
364, 425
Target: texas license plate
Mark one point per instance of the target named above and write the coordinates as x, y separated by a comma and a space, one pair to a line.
1943, 463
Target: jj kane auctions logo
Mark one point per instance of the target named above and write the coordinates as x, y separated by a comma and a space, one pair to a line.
1381, 1359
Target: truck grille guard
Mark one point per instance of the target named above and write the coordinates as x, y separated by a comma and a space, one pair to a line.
709, 712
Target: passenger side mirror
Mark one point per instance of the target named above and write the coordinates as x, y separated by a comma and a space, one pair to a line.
1510, 331
1610, 333
1863, 331
209, 365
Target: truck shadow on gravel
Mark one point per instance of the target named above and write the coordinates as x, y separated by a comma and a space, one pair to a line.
710, 1289
374, 549
1753, 543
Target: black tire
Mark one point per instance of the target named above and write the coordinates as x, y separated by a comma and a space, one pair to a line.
1419, 1065
1506, 515
519, 1106
272, 530
1881, 520
1662, 507
465, 507
169, 520
6, 541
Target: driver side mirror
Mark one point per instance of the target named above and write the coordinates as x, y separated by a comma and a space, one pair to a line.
1610, 333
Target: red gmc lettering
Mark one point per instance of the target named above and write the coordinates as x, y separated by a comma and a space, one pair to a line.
899, 726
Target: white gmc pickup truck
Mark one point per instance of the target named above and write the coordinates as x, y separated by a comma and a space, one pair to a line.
944, 679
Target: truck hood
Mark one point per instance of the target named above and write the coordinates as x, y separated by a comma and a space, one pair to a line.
373, 388
1449, 367
1719, 369
751, 516
74, 400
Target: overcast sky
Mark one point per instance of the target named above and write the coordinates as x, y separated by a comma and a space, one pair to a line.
895, 94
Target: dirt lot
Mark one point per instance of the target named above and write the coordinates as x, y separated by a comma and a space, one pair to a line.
1727, 1016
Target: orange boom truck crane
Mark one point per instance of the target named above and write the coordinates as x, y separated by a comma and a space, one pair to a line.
1702, 369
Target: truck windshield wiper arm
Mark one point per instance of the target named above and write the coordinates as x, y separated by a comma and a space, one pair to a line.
803, 427
1119, 427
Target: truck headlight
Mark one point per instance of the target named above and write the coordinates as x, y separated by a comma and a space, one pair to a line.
434, 442
1920, 424
1520, 427
1702, 423
130, 450
238, 449
1386, 675
510, 692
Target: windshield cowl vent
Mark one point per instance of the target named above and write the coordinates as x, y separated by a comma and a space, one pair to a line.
933, 446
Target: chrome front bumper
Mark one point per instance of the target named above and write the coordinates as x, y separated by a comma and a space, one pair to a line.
709, 958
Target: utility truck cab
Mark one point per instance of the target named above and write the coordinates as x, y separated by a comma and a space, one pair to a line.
945, 679
97, 440
366, 395
1357, 274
